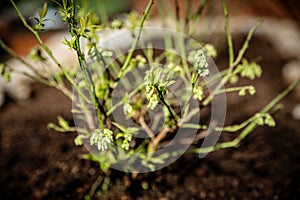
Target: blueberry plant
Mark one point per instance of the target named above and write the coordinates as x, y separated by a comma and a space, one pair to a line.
139, 109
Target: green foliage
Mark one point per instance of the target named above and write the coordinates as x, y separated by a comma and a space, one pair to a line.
64, 9
198, 93
78, 140
250, 89
5, 72
210, 50
265, 119
125, 134
63, 125
95, 89
116, 24
36, 55
41, 19
156, 82
134, 20
250, 70
128, 109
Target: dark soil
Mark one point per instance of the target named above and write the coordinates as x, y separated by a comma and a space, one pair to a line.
36, 163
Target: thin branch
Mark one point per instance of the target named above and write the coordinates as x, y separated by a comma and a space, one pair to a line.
250, 127
246, 43
170, 110
16, 56
228, 34
86, 73
135, 43
44, 46
162, 134
146, 127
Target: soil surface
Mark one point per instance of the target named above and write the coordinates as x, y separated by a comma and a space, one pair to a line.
36, 163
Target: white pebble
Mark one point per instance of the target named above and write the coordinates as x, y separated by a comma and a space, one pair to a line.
296, 112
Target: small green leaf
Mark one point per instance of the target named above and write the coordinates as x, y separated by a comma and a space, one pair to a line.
6, 75
251, 90
63, 123
2, 68
65, 3
119, 135
141, 61
83, 24
36, 55
150, 149
157, 160
70, 43
233, 79
78, 140
242, 92
210, 50
5, 72
55, 127
269, 120
259, 119
198, 93
133, 19
249, 70
122, 128
43, 12
171, 82
125, 145
116, 24
145, 185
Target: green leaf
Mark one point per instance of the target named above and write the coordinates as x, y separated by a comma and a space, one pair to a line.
125, 145
157, 160
2, 68
210, 50
78, 140
122, 128
119, 135
116, 24
198, 93
171, 82
83, 23
36, 55
269, 120
63, 123
65, 3
7, 76
259, 120
5, 72
242, 92
251, 90
133, 19
70, 43
55, 127
249, 70
234, 79
43, 12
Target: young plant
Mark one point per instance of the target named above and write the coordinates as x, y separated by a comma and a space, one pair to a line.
138, 109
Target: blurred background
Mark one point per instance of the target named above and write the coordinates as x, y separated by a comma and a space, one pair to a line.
10, 25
